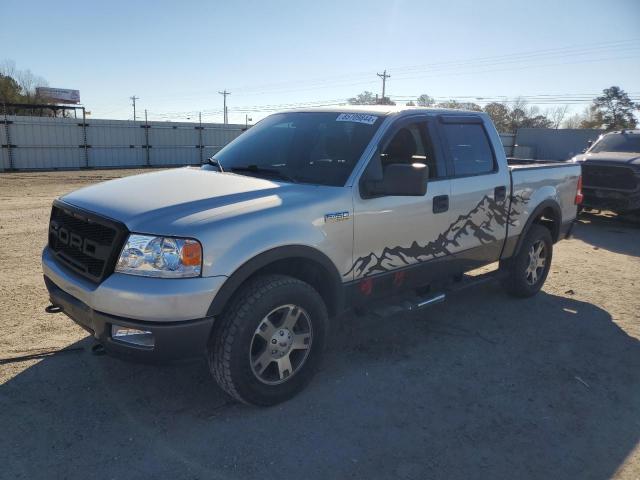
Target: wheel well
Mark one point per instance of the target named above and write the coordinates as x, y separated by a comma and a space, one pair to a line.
549, 218
311, 272
298, 261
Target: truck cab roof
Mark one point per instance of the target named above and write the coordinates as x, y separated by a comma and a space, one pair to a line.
386, 110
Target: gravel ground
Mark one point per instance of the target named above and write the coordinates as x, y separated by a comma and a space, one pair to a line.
482, 386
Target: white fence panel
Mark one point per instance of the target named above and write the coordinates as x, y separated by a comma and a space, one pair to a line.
115, 143
43, 143
214, 137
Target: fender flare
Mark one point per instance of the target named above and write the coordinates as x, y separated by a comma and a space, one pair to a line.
542, 206
250, 267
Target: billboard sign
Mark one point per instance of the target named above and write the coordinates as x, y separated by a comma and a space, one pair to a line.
59, 95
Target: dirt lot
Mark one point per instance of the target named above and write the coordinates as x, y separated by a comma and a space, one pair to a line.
484, 386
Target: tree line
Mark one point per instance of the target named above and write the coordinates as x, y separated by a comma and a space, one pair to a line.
19, 86
613, 110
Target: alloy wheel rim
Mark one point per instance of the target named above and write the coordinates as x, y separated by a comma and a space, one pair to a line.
537, 262
281, 344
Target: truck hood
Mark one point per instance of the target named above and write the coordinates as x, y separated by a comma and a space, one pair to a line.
610, 157
169, 201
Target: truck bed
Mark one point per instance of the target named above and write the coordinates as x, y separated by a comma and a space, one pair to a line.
533, 182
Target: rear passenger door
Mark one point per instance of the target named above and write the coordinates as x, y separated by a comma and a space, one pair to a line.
479, 190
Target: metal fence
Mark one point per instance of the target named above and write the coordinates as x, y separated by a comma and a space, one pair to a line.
508, 143
43, 143
552, 144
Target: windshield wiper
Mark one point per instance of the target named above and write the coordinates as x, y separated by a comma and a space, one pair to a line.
215, 162
269, 171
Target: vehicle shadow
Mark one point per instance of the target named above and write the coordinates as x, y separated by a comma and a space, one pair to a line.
609, 232
482, 386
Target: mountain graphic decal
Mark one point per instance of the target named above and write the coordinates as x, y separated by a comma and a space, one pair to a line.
481, 223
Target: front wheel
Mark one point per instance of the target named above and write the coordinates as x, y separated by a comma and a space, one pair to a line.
268, 343
528, 270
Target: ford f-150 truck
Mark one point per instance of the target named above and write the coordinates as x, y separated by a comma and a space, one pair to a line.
304, 216
611, 172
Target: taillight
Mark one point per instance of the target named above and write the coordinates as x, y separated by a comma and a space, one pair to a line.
579, 195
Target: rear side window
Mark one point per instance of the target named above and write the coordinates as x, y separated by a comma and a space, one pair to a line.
469, 148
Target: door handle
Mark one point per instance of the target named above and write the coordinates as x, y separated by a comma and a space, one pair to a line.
440, 203
500, 193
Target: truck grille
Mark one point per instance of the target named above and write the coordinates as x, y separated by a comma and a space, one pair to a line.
605, 176
85, 242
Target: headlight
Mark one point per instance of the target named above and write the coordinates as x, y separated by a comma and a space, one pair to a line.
164, 257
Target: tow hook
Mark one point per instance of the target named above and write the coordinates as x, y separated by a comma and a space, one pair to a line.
53, 309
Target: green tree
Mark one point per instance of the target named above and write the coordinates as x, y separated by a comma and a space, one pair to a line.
425, 100
454, 104
537, 121
614, 109
10, 91
19, 86
499, 114
364, 98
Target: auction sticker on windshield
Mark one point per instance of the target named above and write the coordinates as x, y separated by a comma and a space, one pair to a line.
357, 117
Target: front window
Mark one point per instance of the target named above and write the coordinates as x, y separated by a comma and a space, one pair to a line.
308, 147
617, 142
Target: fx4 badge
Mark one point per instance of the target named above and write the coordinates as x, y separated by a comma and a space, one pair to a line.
336, 217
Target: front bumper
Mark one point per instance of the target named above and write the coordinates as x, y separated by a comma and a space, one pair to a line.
172, 340
136, 297
609, 199
173, 310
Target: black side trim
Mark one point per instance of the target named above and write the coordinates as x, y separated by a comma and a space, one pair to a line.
436, 273
270, 256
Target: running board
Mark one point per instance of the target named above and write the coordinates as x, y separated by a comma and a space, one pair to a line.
405, 304
412, 303
432, 300
473, 281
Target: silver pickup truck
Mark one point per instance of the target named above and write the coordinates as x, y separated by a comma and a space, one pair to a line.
306, 215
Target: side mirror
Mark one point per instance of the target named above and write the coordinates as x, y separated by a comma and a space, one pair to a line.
400, 179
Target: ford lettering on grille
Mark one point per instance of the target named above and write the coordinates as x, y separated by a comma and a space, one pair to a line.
85, 243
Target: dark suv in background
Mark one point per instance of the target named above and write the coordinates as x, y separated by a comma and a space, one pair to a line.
611, 172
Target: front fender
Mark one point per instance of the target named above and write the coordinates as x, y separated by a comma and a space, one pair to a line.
268, 257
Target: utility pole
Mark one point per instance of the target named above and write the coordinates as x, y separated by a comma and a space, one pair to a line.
133, 102
384, 77
224, 94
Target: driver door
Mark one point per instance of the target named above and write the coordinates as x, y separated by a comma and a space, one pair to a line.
396, 236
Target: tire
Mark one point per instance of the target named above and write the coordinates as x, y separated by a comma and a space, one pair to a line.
523, 279
272, 318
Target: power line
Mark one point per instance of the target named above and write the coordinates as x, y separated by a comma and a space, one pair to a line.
360, 78
556, 53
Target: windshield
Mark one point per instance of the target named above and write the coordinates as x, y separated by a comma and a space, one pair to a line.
308, 147
617, 142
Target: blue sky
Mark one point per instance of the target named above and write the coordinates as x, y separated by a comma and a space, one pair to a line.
176, 56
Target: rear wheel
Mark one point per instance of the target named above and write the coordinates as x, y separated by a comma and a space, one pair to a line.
528, 270
268, 343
